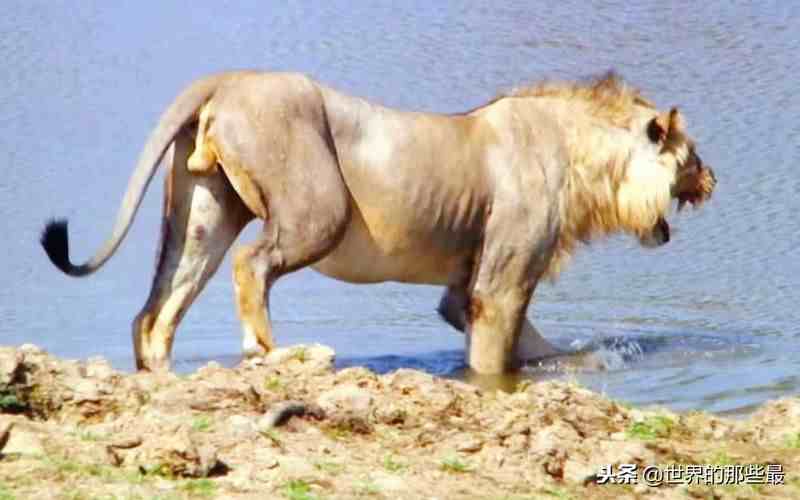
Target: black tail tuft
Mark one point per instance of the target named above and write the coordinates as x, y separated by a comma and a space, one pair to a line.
56, 243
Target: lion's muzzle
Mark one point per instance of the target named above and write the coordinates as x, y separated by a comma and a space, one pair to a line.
694, 185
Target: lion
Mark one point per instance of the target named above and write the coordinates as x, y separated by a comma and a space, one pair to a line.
486, 203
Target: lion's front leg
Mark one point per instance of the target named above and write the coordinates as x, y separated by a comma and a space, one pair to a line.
493, 329
454, 309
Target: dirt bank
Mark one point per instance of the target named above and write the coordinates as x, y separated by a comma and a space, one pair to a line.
288, 426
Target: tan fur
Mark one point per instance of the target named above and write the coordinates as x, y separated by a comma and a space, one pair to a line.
604, 191
204, 158
487, 202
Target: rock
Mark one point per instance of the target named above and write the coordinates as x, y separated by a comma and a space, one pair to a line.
577, 470
296, 467
314, 358
241, 478
347, 398
99, 368
388, 482
409, 380
11, 362
241, 426
240, 422
23, 441
31, 349
179, 455
88, 390
126, 442
470, 445
517, 443
551, 438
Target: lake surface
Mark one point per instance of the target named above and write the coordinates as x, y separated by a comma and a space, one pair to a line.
709, 321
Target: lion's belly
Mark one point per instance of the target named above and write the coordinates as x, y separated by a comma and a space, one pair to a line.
371, 255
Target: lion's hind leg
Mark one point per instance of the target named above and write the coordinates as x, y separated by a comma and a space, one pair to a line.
202, 217
286, 172
282, 247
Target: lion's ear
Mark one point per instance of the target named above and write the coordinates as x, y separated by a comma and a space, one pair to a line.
658, 127
675, 120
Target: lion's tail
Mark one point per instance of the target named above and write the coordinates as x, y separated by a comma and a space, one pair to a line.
54, 237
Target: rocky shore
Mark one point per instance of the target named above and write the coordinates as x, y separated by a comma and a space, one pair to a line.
290, 426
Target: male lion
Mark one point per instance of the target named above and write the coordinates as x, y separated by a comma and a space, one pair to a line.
486, 202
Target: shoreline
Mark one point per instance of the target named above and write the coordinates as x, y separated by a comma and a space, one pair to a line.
290, 426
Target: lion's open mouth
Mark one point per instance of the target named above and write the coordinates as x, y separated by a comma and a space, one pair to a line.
695, 187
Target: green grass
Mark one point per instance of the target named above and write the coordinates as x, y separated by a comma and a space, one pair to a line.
87, 436
273, 436
74, 495
651, 428
300, 354
454, 464
793, 440
367, 488
200, 488
329, 467
202, 423
11, 403
273, 384
337, 433
297, 489
391, 465
5, 494
64, 466
721, 458
556, 493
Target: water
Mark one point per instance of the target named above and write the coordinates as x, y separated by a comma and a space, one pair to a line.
710, 321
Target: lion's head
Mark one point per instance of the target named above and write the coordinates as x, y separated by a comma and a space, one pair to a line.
629, 162
690, 181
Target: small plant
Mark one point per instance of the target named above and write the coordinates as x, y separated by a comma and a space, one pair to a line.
337, 432
201, 423
367, 488
297, 489
273, 436
87, 436
134, 476
273, 384
74, 495
64, 466
160, 470
329, 467
721, 458
5, 494
793, 440
651, 428
10, 403
556, 493
391, 465
204, 488
523, 385
454, 464
300, 354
